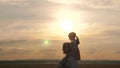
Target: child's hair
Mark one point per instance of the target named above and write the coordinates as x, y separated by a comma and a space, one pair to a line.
77, 39
72, 33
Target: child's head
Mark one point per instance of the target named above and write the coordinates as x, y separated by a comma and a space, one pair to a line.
66, 48
72, 35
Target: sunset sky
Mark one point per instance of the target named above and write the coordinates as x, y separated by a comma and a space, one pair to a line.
36, 29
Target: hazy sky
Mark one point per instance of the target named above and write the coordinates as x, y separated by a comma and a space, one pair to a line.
36, 29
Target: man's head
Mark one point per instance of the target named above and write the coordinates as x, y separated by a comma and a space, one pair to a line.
66, 48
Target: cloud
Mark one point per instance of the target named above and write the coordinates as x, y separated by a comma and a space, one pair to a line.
99, 3
12, 2
1, 49
12, 42
47, 50
34, 10
96, 4
65, 1
90, 51
11, 13
32, 42
23, 30
38, 10
17, 48
21, 42
12, 51
19, 51
116, 52
113, 33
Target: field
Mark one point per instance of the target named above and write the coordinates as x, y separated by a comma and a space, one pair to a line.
83, 64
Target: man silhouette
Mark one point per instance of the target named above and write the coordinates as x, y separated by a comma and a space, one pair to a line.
68, 61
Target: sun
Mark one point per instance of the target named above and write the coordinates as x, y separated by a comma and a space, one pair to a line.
67, 25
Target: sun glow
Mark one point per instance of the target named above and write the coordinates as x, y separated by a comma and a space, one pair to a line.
67, 21
67, 25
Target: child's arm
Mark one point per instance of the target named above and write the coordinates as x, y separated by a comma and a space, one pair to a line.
77, 40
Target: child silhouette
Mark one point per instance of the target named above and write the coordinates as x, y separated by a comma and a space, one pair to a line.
74, 43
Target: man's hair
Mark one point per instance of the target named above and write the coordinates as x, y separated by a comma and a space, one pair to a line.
66, 48
66, 44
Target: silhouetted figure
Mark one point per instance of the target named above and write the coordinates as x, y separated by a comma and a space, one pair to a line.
74, 43
68, 61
